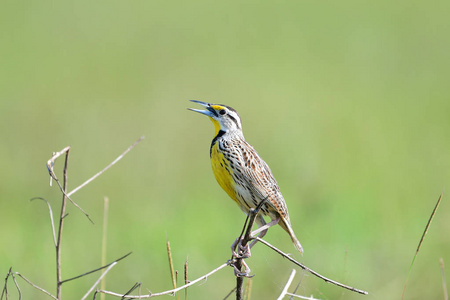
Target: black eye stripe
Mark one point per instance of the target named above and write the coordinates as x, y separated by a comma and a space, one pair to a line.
234, 120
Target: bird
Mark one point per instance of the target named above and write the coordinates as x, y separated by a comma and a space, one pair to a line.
242, 173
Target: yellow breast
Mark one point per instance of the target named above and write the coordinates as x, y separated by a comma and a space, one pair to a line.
222, 171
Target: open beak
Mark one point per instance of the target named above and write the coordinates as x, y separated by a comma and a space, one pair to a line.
210, 112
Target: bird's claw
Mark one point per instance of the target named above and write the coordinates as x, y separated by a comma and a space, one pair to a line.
242, 251
246, 272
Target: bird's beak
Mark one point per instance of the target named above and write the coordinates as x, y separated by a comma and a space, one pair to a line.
210, 112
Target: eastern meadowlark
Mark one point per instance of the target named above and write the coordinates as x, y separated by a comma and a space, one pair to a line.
242, 173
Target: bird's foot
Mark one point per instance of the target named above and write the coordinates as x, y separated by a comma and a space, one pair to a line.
240, 273
242, 251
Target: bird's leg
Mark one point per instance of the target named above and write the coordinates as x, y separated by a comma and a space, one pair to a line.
261, 231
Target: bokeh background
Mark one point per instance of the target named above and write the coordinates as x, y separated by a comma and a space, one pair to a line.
347, 101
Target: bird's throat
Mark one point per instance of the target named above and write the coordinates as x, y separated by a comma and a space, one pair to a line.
216, 126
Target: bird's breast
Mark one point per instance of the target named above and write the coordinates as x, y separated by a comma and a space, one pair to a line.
222, 170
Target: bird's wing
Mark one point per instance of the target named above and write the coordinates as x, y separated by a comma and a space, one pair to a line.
259, 178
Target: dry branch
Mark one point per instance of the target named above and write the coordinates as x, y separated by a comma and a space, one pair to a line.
106, 168
310, 270
288, 284
169, 292
35, 286
421, 241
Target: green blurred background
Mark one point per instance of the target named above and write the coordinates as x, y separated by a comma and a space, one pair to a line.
347, 101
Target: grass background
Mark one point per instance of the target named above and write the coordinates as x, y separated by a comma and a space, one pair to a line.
347, 102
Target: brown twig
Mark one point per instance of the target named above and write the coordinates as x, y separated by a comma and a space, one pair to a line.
230, 293
5, 287
50, 164
310, 270
51, 216
298, 285
244, 239
98, 280
106, 168
421, 241
35, 286
61, 225
98, 269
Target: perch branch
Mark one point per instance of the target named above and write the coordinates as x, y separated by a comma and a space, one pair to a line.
310, 270
169, 292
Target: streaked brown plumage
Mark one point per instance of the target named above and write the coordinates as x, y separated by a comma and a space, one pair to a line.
241, 172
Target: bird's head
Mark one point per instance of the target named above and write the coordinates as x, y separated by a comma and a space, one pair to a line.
224, 118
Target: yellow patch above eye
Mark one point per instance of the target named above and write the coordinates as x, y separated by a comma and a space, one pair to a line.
217, 107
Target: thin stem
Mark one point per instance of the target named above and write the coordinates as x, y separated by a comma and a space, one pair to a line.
98, 280
172, 272
173, 291
95, 270
35, 286
61, 226
104, 169
104, 235
288, 284
310, 270
51, 217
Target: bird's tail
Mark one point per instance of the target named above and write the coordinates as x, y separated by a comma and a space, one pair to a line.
286, 225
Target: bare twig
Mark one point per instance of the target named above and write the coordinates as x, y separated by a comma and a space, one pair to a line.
98, 280
169, 292
61, 225
247, 237
421, 241
310, 270
106, 168
444, 284
135, 286
5, 286
301, 297
298, 284
51, 216
230, 293
288, 284
98, 269
17, 286
50, 164
35, 286
104, 236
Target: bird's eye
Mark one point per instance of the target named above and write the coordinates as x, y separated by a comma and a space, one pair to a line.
222, 112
